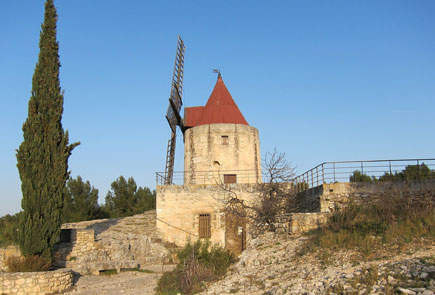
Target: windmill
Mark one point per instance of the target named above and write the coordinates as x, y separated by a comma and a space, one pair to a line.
173, 113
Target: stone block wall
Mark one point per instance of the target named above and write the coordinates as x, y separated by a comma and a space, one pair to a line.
337, 195
119, 243
308, 200
36, 283
326, 197
295, 223
179, 207
83, 241
5, 253
313, 206
81, 244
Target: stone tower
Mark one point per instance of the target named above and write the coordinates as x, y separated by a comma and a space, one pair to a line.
221, 154
220, 146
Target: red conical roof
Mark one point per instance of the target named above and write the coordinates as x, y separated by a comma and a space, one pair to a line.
220, 107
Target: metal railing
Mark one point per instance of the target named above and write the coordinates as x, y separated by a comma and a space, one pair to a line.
330, 172
209, 177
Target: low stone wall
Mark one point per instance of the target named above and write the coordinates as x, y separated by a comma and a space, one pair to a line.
326, 197
311, 208
308, 200
89, 247
295, 223
337, 195
5, 253
36, 283
82, 243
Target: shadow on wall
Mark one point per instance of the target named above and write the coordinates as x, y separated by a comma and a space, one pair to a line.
102, 226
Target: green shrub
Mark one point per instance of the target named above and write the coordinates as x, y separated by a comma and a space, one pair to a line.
108, 272
410, 173
198, 263
168, 283
28, 264
357, 176
8, 230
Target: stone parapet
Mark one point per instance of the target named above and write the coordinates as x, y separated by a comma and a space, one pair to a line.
327, 197
337, 195
36, 283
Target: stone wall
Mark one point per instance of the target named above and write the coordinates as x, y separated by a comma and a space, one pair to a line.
313, 206
75, 252
5, 253
308, 200
326, 197
295, 223
36, 283
82, 243
207, 157
179, 207
120, 243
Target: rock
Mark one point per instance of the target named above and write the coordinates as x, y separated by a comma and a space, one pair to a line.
424, 275
406, 291
418, 289
391, 280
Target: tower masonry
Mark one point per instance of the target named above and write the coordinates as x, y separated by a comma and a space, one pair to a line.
220, 146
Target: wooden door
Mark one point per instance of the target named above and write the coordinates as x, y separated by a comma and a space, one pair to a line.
235, 234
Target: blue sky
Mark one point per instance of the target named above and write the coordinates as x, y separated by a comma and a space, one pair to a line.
321, 80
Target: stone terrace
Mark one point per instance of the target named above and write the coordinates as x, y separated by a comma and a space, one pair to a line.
122, 243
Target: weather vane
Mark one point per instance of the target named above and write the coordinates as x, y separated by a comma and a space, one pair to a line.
218, 71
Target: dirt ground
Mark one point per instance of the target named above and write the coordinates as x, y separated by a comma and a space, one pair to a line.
126, 283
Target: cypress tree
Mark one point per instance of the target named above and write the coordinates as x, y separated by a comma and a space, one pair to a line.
43, 154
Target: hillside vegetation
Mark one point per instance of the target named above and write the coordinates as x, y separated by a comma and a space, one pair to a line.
382, 247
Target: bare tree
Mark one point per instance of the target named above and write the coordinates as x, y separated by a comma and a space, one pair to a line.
276, 190
269, 198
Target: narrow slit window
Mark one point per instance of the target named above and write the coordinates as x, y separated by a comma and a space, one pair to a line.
225, 139
230, 178
204, 226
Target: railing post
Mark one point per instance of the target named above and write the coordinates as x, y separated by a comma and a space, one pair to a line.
323, 174
390, 167
333, 169
317, 176
362, 168
418, 170
312, 178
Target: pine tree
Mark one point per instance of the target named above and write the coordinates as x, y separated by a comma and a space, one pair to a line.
43, 155
126, 198
81, 201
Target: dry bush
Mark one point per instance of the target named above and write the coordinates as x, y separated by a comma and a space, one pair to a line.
270, 198
199, 262
367, 227
28, 264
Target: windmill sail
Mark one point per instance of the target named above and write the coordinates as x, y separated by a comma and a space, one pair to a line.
174, 108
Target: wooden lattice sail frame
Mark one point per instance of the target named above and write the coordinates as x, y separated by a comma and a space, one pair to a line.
173, 114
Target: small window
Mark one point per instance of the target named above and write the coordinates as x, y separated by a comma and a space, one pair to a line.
65, 235
225, 139
230, 178
204, 226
